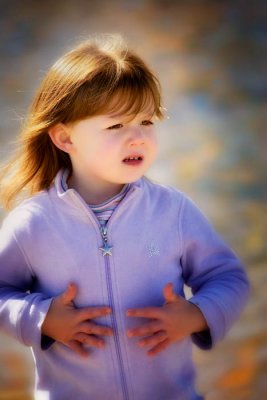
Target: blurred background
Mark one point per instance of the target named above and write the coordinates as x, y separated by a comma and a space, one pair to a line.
211, 59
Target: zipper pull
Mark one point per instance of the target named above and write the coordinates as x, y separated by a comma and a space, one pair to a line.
106, 249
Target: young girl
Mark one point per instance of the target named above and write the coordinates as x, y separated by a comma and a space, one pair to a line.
93, 263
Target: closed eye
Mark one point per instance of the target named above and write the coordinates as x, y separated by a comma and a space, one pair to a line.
117, 126
147, 123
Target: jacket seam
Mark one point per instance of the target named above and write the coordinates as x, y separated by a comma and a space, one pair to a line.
180, 234
18, 325
24, 254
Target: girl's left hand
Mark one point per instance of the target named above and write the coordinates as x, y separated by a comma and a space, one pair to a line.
175, 320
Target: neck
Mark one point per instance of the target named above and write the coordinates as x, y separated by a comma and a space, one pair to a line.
93, 194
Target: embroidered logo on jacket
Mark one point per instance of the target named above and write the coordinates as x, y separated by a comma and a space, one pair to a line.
153, 250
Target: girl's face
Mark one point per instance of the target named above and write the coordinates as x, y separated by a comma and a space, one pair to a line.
102, 151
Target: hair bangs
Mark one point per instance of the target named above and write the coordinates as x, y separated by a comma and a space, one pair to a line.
134, 92
118, 90
131, 101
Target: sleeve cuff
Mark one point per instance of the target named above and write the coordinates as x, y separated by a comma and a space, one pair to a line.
206, 340
34, 316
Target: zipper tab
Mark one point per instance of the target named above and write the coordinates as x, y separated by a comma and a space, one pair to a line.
104, 231
106, 249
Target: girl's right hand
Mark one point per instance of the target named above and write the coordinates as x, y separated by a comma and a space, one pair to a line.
74, 326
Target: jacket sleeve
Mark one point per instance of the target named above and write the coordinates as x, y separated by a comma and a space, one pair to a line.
215, 275
21, 312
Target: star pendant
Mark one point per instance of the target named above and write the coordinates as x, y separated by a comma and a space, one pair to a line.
107, 250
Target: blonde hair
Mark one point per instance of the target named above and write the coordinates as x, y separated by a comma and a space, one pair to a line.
84, 82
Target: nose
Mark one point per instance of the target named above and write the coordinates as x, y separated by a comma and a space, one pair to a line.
136, 137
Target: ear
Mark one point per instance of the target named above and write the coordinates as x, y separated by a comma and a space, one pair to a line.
60, 136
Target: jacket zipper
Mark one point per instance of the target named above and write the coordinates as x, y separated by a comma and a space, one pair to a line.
106, 254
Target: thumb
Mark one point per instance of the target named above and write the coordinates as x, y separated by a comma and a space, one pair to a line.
169, 294
70, 293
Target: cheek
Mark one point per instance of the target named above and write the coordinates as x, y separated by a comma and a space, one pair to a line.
86, 145
112, 144
154, 144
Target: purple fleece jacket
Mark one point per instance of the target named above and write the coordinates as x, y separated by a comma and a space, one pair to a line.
158, 236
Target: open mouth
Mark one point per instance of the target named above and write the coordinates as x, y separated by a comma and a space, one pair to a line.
133, 160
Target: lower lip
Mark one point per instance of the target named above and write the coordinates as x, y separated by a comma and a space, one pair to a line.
133, 162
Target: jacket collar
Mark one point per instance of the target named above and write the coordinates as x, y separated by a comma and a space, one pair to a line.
73, 198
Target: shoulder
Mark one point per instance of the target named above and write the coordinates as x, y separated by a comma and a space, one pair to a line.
28, 214
163, 192
172, 199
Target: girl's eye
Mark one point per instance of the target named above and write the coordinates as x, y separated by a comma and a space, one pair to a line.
147, 123
117, 126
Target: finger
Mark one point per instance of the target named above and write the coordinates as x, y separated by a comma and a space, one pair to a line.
147, 329
93, 312
169, 294
70, 293
94, 329
153, 340
89, 340
159, 347
145, 312
78, 348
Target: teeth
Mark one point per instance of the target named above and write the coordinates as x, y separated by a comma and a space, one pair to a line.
133, 158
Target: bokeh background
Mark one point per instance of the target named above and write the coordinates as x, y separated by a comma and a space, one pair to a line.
212, 63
